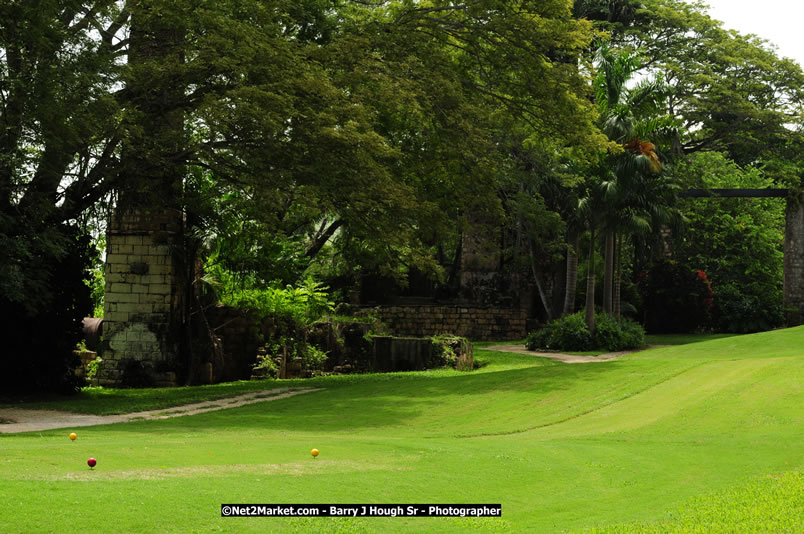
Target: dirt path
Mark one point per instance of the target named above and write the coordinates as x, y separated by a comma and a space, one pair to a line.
13, 420
566, 358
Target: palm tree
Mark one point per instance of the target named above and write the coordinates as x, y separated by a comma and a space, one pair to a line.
630, 116
590, 210
565, 201
620, 194
573, 248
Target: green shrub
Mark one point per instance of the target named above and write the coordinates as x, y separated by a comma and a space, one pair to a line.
93, 367
607, 332
633, 334
613, 335
313, 358
304, 304
742, 313
266, 367
447, 349
569, 333
539, 339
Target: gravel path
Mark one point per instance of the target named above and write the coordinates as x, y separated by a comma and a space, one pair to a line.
13, 420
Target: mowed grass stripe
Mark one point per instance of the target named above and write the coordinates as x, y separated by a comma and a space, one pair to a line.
459, 404
668, 398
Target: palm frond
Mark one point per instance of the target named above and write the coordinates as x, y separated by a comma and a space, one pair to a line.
647, 96
660, 129
614, 70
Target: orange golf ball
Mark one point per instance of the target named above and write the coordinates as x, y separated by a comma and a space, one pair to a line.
314, 452
73, 435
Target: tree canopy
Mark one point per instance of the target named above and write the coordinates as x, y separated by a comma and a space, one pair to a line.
337, 137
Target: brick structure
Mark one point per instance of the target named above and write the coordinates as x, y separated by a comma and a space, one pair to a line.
474, 323
143, 301
794, 263
480, 263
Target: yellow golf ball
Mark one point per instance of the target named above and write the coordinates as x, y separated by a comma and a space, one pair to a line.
314, 452
73, 435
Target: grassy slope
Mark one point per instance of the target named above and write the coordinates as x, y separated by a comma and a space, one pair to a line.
108, 401
672, 438
682, 339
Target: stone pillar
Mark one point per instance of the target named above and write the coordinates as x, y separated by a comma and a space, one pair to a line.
480, 261
794, 263
143, 300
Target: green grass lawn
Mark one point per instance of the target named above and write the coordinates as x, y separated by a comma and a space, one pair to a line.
682, 339
704, 437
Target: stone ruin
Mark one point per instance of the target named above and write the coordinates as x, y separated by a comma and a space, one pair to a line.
143, 300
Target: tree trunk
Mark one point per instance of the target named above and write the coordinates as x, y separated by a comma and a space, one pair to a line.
590, 285
608, 274
572, 274
13, 109
322, 237
152, 167
538, 279
455, 268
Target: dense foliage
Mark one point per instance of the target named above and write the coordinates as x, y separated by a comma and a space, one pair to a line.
302, 305
738, 242
676, 298
41, 327
570, 333
371, 126
734, 108
366, 145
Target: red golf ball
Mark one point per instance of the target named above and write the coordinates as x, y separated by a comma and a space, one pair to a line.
91, 462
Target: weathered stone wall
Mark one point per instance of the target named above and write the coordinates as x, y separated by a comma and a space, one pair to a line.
474, 323
391, 354
794, 263
240, 339
85, 357
142, 298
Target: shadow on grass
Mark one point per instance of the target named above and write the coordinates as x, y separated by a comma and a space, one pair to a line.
109, 401
388, 401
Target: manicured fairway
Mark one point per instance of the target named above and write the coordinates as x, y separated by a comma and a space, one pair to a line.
704, 437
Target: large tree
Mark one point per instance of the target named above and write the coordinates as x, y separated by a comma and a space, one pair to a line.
59, 132
437, 87
323, 118
734, 92
729, 92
